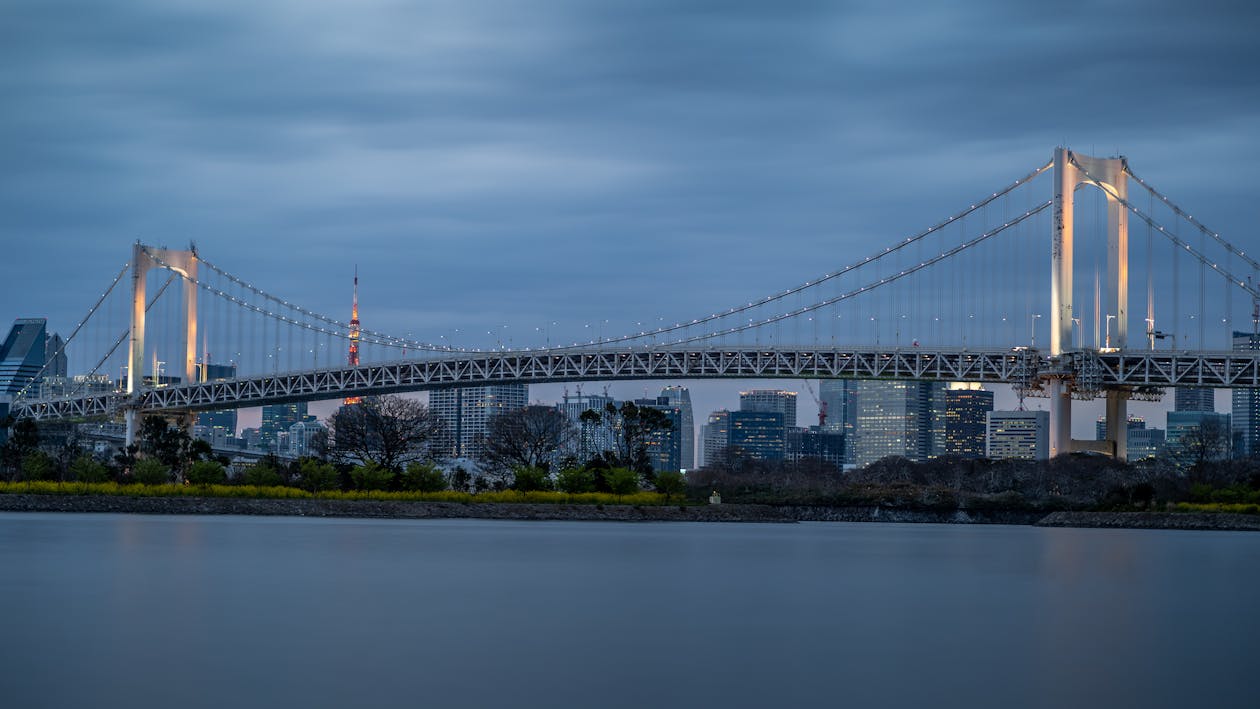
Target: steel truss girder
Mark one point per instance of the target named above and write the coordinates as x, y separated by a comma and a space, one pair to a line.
1116, 369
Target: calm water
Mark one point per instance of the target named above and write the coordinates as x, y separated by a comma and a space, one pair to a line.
134, 611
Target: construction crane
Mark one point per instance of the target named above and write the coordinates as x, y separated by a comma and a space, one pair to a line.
822, 405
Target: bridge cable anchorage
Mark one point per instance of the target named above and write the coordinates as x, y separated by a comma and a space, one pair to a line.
91, 311
901, 244
1204, 260
874, 284
1195, 222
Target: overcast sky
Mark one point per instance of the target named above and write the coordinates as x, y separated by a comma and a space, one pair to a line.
489, 163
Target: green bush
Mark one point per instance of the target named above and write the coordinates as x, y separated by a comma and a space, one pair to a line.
670, 483
423, 477
206, 472
88, 470
151, 471
371, 476
575, 480
261, 474
622, 481
38, 465
531, 479
317, 476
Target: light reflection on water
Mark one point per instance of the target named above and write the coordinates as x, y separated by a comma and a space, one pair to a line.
124, 611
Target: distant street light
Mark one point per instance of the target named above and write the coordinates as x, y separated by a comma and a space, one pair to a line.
1032, 329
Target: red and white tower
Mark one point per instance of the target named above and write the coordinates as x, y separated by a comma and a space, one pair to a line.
353, 358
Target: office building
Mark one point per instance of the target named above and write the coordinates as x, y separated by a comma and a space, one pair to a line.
665, 448
218, 425
300, 437
967, 407
715, 437
1195, 436
277, 419
816, 442
681, 398
1246, 406
1143, 442
22, 355
757, 434
840, 396
1194, 399
772, 400
594, 435
899, 418
465, 412
1023, 435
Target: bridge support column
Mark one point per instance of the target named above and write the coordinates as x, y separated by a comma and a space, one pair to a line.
183, 263
1118, 423
1108, 174
130, 416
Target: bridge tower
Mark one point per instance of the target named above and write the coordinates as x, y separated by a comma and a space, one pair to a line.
1071, 170
143, 259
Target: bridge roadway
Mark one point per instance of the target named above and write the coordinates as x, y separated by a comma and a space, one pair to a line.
1089, 370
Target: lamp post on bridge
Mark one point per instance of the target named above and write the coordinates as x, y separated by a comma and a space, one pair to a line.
1107, 341
1032, 329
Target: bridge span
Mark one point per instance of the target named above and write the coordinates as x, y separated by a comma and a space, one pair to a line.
1086, 373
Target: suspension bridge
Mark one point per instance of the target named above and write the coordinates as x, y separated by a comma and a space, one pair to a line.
962, 300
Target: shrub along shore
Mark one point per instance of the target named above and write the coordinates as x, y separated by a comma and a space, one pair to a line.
78, 497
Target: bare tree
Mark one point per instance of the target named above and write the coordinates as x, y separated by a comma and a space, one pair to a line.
532, 437
389, 431
1205, 443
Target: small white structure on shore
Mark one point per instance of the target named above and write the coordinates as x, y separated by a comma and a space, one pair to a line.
715, 498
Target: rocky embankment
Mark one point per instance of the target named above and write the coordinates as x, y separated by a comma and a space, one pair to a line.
1217, 521
394, 510
120, 504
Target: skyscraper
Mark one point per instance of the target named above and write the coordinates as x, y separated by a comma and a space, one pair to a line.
22, 355
681, 398
1143, 442
594, 436
218, 425
816, 442
757, 434
277, 419
665, 447
773, 400
1194, 399
465, 411
1246, 406
841, 398
901, 418
715, 437
966, 412
1018, 434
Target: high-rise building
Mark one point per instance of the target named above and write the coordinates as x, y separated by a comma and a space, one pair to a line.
1198, 435
22, 355
55, 356
465, 412
220, 424
594, 435
300, 437
1143, 442
773, 400
273, 432
664, 448
901, 418
967, 407
1246, 406
816, 442
841, 399
1194, 399
757, 434
1018, 434
715, 437
681, 398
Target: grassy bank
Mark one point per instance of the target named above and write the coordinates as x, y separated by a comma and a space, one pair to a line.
281, 493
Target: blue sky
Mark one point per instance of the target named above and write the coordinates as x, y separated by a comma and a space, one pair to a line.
491, 163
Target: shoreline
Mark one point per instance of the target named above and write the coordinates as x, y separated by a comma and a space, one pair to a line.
373, 509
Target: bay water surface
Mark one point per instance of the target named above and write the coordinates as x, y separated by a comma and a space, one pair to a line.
151, 611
